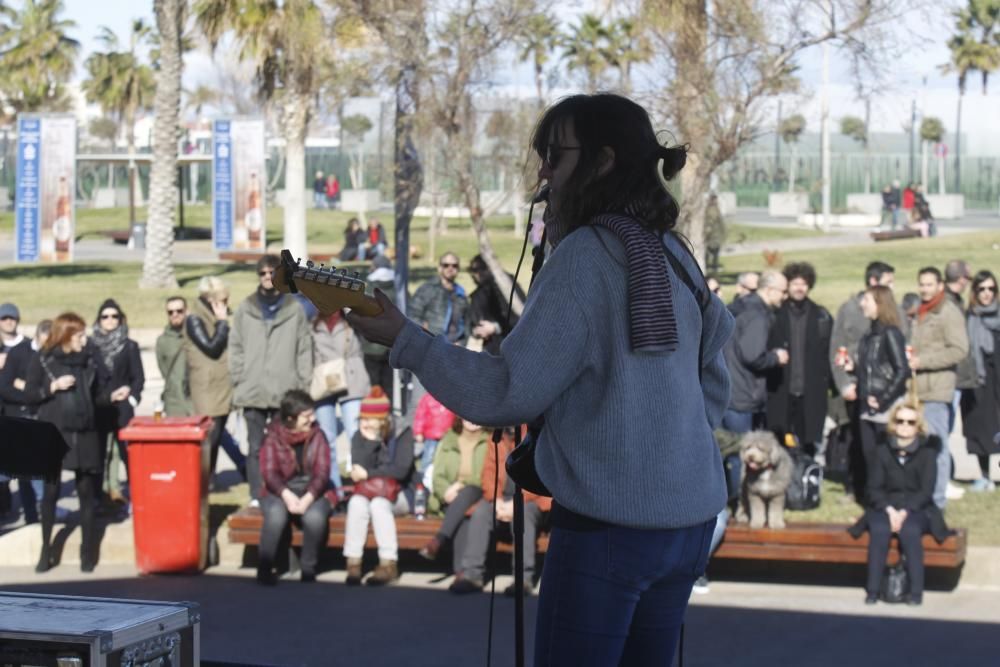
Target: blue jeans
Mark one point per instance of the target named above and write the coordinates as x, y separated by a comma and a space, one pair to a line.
427, 456
720, 530
319, 200
937, 414
737, 421
30, 491
612, 595
326, 416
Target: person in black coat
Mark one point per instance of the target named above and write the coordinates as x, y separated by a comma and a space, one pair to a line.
797, 392
122, 366
488, 307
881, 369
900, 499
981, 401
66, 382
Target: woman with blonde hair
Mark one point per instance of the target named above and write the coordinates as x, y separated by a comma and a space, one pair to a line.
900, 498
206, 339
66, 380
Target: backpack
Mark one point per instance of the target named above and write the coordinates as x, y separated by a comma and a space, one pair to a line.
838, 452
807, 478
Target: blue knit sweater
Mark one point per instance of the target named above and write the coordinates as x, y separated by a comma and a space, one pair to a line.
628, 437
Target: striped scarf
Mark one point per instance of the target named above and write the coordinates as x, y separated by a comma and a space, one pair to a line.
653, 325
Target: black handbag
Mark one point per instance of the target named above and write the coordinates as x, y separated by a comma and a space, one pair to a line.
895, 583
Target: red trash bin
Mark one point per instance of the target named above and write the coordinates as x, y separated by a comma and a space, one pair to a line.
169, 496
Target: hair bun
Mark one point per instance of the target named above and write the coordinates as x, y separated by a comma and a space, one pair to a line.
674, 158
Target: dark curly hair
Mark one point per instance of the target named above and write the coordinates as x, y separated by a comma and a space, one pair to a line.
802, 270
641, 163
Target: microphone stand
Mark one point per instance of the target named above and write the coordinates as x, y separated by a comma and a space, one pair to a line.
518, 524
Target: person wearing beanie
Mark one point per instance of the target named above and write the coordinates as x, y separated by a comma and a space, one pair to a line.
119, 360
375, 454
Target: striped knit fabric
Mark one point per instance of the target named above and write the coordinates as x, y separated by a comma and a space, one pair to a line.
653, 326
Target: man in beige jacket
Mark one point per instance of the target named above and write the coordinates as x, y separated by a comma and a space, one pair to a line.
939, 343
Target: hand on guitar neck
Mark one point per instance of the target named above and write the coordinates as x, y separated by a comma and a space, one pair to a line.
330, 289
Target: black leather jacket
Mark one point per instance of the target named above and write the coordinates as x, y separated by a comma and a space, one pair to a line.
881, 367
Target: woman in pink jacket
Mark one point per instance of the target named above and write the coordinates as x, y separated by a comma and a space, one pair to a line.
431, 421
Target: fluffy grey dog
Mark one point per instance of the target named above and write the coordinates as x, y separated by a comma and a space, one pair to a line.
767, 472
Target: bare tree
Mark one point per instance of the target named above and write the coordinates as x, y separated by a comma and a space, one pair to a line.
719, 62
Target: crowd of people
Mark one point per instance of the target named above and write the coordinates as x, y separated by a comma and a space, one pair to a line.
877, 382
890, 375
907, 208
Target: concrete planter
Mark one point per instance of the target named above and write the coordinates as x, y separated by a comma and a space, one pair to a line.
450, 212
841, 220
787, 204
356, 200
727, 203
865, 203
947, 207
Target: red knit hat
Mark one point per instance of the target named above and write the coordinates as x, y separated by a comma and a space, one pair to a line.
375, 405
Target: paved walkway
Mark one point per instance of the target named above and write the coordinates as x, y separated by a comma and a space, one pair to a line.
416, 623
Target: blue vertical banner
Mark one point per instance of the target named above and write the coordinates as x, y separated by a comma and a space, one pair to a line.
222, 186
26, 191
45, 222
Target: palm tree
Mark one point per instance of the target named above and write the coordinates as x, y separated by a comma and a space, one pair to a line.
122, 85
157, 264
36, 56
970, 54
288, 43
790, 130
538, 42
857, 129
627, 45
587, 49
107, 129
932, 132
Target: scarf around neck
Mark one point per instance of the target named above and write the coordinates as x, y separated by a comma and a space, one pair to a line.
652, 323
983, 323
110, 343
928, 306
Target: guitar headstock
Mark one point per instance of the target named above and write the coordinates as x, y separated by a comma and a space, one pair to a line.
329, 288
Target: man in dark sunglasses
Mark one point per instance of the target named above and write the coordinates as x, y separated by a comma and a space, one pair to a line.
440, 304
170, 359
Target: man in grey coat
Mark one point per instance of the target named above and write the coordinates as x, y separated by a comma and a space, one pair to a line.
748, 356
440, 304
270, 352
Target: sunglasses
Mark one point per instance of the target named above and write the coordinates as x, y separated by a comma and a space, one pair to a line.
987, 288
177, 311
266, 272
111, 316
449, 265
554, 154
908, 422
7, 317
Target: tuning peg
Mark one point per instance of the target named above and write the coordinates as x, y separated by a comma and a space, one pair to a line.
355, 275
298, 261
309, 263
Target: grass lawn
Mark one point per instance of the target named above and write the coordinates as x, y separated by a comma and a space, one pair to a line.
736, 233
840, 271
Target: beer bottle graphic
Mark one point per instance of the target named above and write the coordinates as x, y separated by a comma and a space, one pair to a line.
62, 225
253, 218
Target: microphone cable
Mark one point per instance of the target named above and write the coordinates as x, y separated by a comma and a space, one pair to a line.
539, 253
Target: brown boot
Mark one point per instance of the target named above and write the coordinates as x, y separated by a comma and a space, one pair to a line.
386, 572
353, 571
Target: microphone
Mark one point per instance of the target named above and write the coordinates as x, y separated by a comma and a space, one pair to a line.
543, 195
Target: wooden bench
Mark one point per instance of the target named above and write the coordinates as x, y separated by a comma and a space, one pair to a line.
827, 543
892, 235
411, 533
801, 542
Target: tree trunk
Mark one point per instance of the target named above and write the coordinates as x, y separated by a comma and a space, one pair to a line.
695, 183
958, 146
940, 161
296, 122
925, 176
130, 144
791, 169
157, 265
408, 172
539, 85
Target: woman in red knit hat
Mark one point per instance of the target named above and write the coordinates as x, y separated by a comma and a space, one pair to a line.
382, 465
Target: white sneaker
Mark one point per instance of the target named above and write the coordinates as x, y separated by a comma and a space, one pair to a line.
254, 503
954, 492
700, 585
